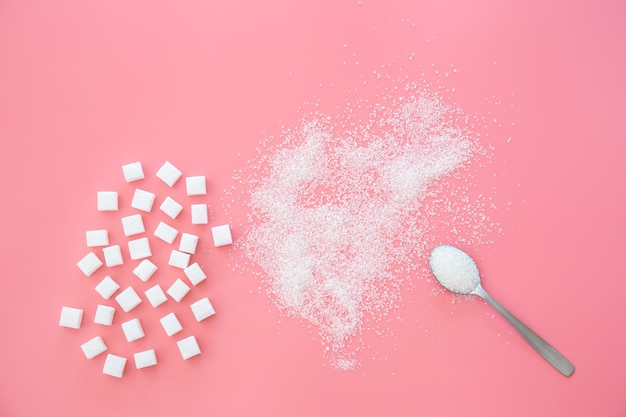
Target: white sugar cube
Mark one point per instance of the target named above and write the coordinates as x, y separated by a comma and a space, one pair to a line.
202, 309
139, 248
114, 365
165, 232
104, 315
179, 259
97, 238
188, 243
107, 201
188, 347
107, 287
142, 200
133, 225
196, 185
133, 172
71, 317
195, 274
128, 299
93, 347
221, 235
113, 255
199, 214
169, 174
145, 359
145, 270
89, 264
155, 295
133, 330
178, 290
170, 324
171, 207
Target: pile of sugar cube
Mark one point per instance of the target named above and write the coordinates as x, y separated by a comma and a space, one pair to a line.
103, 253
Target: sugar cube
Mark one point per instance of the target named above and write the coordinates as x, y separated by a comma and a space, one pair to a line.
139, 248
104, 315
133, 172
179, 259
221, 235
165, 232
114, 365
196, 185
113, 255
195, 274
145, 359
89, 264
71, 317
132, 330
169, 174
107, 201
142, 200
178, 290
133, 225
170, 324
97, 238
128, 299
155, 295
93, 347
199, 214
171, 207
202, 309
188, 347
188, 243
107, 287
145, 270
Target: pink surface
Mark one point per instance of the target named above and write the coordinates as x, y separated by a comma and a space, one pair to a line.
86, 87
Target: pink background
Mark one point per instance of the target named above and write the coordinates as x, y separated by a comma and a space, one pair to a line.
87, 86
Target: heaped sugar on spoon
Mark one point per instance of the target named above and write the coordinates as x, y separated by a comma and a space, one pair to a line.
457, 272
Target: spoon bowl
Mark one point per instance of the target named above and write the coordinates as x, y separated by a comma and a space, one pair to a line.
457, 272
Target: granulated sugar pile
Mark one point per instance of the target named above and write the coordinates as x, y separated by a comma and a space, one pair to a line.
338, 214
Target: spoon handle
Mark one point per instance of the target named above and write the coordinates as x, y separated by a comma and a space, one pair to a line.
549, 353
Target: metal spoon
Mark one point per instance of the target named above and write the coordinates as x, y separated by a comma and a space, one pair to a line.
457, 272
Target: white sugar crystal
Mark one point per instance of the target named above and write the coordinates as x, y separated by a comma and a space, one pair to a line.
169, 174
221, 235
156, 296
107, 201
454, 269
113, 255
171, 207
202, 309
97, 237
133, 172
195, 274
165, 232
188, 347
145, 270
178, 290
139, 248
171, 325
179, 259
133, 225
114, 365
104, 315
93, 347
142, 200
196, 185
145, 359
133, 330
199, 214
107, 287
71, 317
89, 264
128, 299
188, 243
